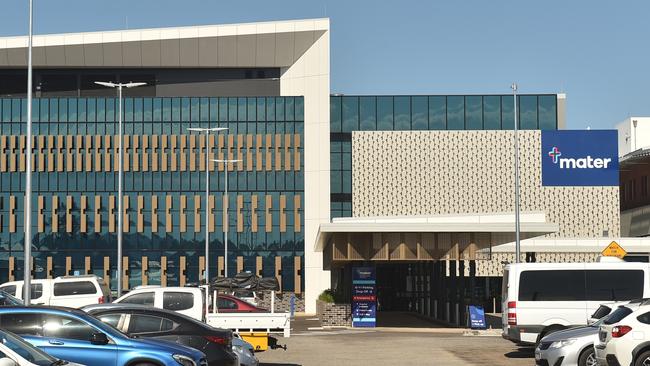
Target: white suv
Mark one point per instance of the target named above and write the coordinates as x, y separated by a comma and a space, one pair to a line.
624, 338
70, 291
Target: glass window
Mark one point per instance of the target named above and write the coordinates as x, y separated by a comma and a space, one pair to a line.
564, 285
178, 300
614, 285
11, 289
74, 288
350, 114
474, 112
455, 113
601, 312
111, 319
402, 107
384, 113
56, 326
368, 113
420, 113
21, 324
507, 113
492, 112
437, 113
617, 315
226, 304
528, 112
547, 111
644, 318
143, 298
37, 290
140, 323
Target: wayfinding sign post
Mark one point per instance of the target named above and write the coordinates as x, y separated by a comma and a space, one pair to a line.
364, 297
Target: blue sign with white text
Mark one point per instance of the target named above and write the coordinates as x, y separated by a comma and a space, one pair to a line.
476, 317
580, 158
364, 297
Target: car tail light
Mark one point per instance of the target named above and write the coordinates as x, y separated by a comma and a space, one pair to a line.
512, 313
100, 300
219, 340
620, 330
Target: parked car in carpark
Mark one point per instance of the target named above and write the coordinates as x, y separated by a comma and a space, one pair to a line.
70, 291
574, 346
233, 304
148, 322
245, 352
76, 336
14, 351
624, 337
248, 296
7, 299
542, 298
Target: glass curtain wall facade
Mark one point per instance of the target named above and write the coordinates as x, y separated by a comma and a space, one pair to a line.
74, 202
422, 112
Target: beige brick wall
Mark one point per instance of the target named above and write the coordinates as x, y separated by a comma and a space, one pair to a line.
456, 172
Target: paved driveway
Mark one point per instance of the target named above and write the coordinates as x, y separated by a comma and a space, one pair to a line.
388, 347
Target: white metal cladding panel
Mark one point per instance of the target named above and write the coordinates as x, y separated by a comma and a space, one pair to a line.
403, 173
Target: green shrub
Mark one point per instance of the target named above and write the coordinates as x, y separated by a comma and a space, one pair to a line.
327, 296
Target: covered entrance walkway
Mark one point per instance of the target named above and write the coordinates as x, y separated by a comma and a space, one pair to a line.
425, 266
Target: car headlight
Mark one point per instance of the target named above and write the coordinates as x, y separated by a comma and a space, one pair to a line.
184, 360
563, 343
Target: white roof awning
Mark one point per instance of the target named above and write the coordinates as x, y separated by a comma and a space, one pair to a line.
531, 224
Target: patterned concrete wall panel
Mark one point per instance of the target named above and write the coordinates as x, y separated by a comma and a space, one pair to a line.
454, 172
494, 266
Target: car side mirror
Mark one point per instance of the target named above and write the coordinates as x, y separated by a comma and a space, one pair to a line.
98, 338
6, 361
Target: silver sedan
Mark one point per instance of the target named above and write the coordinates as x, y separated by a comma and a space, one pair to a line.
570, 347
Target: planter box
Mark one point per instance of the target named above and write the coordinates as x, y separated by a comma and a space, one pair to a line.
334, 315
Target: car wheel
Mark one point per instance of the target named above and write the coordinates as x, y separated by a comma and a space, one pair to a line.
587, 358
643, 359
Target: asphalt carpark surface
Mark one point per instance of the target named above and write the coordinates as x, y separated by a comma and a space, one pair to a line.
427, 344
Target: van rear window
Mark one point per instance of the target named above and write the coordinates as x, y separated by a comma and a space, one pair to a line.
74, 288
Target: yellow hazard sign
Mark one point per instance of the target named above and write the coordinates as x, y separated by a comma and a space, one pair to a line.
614, 250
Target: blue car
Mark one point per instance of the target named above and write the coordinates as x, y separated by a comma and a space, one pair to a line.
73, 335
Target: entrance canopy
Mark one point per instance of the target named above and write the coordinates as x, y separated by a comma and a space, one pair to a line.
424, 237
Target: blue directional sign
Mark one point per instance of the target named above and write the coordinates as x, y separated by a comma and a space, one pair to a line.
580, 158
364, 297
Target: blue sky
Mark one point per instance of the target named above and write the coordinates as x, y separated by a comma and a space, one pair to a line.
595, 51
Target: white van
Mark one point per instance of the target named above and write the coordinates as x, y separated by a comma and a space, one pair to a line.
541, 298
185, 300
70, 291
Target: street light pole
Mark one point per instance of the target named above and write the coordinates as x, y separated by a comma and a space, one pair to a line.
517, 238
207, 193
120, 197
225, 232
27, 293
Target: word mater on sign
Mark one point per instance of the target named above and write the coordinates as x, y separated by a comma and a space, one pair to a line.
579, 163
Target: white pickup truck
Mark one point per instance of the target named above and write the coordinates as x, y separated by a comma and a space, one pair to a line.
192, 302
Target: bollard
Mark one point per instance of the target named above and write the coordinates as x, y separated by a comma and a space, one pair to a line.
293, 305
458, 314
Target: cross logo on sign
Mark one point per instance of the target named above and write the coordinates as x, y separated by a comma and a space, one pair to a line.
614, 250
555, 154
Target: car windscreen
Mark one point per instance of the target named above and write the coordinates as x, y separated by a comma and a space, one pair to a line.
617, 315
26, 350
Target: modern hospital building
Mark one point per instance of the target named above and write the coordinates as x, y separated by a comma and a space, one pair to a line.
420, 187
